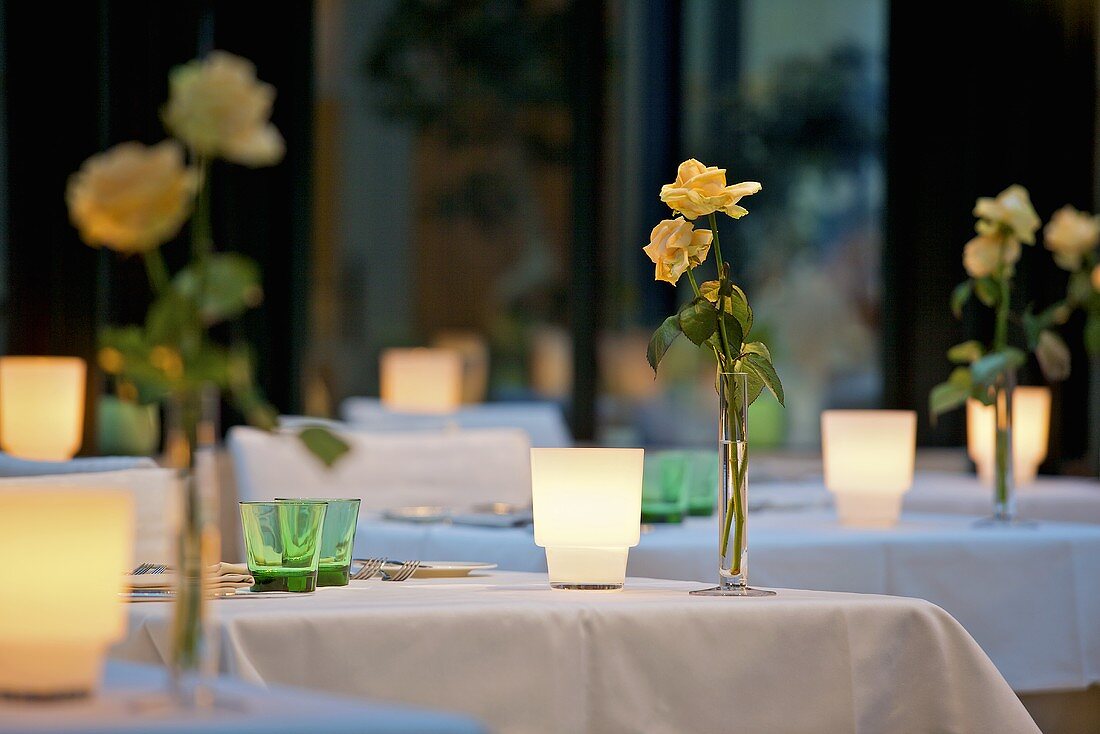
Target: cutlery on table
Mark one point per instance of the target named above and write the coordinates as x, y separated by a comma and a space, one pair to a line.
402, 572
370, 567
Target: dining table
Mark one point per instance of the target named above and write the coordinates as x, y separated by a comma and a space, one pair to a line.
132, 699
1027, 593
506, 649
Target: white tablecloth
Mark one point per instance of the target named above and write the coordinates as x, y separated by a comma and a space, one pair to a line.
1064, 499
506, 649
1029, 596
132, 701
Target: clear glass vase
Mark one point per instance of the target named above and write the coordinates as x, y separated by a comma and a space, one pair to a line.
190, 448
733, 484
1004, 491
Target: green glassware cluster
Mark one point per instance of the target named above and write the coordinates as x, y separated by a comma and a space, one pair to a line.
677, 484
283, 543
337, 540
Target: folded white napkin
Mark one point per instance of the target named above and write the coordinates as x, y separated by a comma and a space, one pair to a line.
223, 579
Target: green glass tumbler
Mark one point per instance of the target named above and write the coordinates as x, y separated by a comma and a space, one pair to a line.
664, 488
337, 540
283, 542
702, 470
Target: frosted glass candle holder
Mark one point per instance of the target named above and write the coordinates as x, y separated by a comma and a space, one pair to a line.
42, 407
868, 456
1030, 434
421, 380
587, 507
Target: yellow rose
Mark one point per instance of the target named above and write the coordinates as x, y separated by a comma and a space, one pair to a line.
1012, 211
131, 198
218, 108
675, 247
1070, 234
983, 255
700, 190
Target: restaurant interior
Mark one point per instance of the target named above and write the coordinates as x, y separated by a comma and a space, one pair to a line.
438, 366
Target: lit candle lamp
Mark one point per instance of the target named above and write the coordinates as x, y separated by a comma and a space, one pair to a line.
65, 552
421, 380
1030, 434
587, 507
42, 407
868, 457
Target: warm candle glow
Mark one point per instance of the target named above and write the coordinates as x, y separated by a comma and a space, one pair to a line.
868, 457
421, 380
587, 508
1030, 434
64, 553
42, 407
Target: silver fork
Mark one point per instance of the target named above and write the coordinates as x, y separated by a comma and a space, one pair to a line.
369, 569
149, 568
402, 572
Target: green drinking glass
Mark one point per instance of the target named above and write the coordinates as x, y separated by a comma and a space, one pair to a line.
702, 483
337, 539
283, 542
664, 487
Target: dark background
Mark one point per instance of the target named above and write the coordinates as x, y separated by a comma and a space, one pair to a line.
980, 95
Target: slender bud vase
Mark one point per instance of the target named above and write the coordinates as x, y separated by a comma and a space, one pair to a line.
733, 483
190, 446
1004, 491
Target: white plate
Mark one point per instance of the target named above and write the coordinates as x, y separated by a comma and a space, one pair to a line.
445, 569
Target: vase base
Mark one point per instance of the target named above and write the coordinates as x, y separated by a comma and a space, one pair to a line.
1004, 522
731, 591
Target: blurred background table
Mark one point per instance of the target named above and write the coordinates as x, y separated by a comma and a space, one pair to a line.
126, 704
1028, 595
505, 648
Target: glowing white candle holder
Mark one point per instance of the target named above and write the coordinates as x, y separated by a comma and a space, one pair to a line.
868, 457
587, 507
1030, 434
42, 407
65, 552
421, 380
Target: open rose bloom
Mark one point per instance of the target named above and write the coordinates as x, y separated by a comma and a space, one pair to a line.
1070, 235
131, 198
701, 190
1011, 212
984, 254
675, 247
218, 107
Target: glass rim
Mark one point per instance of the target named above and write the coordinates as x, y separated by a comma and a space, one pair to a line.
308, 500
281, 502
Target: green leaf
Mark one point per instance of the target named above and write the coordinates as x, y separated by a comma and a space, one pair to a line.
226, 286
735, 303
987, 290
960, 296
966, 353
755, 382
987, 369
1079, 288
324, 444
661, 340
698, 320
171, 319
946, 396
734, 333
757, 348
756, 364
1053, 355
1092, 333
